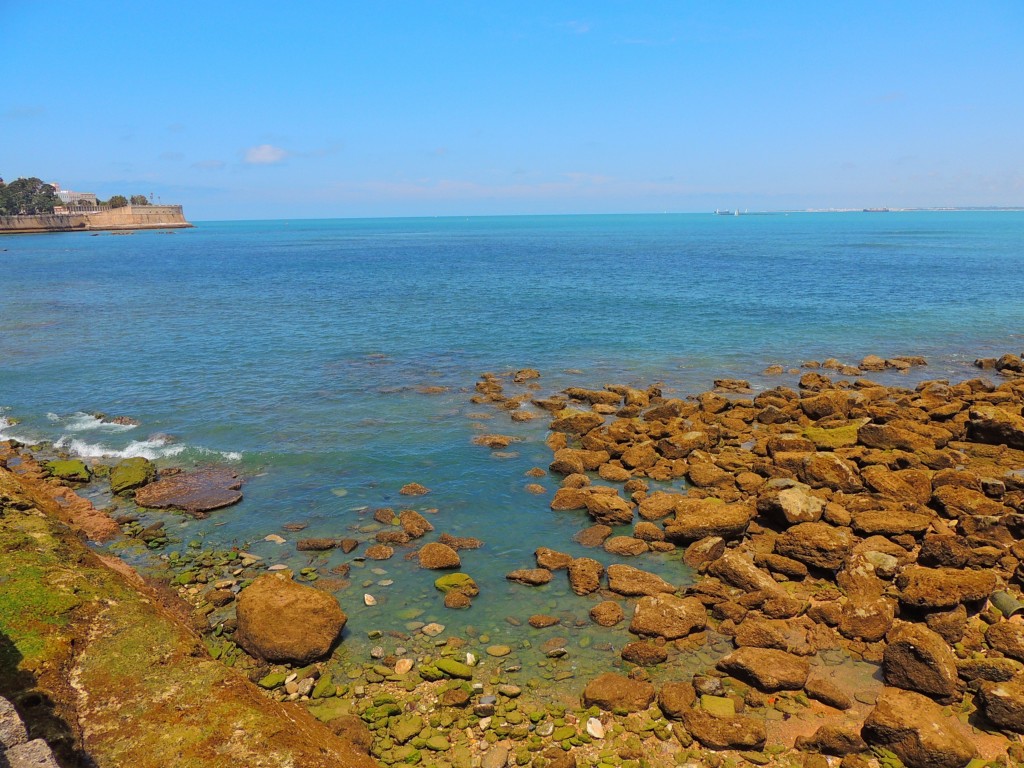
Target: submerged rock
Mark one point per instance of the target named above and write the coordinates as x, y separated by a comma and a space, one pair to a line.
194, 492
131, 473
615, 693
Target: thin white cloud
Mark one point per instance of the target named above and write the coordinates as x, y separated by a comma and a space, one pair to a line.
209, 165
265, 154
25, 112
578, 27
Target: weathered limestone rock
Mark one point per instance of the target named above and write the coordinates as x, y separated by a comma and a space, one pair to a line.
533, 577
1003, 703
194, 492
700, 518
827, 470
1008, 638
625, 546
942, 588
739, 571
585, 575
607, 613
668, 616
551, 559
609, 508
915, 729
917, 659
71, 470
995, 426
414, 524
727, 732
616, 693
658, 505
768, 669
834, 739
792, 636
644, 653
576, 422
632, 582
281, 621
131, 473
437, 556
793, 504
818, 545
825, 690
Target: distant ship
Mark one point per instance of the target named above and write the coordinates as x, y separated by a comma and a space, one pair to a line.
876, 210
727, 212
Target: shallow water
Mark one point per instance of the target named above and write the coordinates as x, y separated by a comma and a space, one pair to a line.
296, 352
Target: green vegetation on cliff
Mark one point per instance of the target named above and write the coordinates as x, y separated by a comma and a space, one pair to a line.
27, 196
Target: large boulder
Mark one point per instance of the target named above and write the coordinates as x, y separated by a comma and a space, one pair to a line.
1007, 637
714, 731
632, 582
792, 504
616, 693
700, 518
794, 636
283, 622
818, 545
194, 492
917, 659
767, 668
1003, 703
916, 730
995, 426
437, 556
585, 575
943, 588
668, 616
131, 473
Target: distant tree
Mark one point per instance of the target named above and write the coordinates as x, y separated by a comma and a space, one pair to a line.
139, 200
27, 196
117, 201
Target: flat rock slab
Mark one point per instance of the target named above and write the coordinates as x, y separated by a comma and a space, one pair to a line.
194, 492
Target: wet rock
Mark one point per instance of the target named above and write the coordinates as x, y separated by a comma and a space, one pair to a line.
609, 508
575, 422
551, 559
1003, 703
834, 739
615, 693
542, 621
284, 622
768, 669
194, 492
632, 582
70, 470
827, 691
131, 474
533, 577
739, 571
347, 545
818, 545
457, 582
644, 654
413, 489
625, 546
437, 556
725, 732
414, 524
569, 461
315, 545
699, 518
459, 542
607, 613
585, 575
915, 729
792, 636
382, 552
668, 616
917, 659
648, 532
943, 588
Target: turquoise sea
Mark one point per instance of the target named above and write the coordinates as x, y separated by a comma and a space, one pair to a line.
299, 352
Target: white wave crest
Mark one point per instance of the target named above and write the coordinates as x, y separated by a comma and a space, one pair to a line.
149, 449
7, 434
87, 422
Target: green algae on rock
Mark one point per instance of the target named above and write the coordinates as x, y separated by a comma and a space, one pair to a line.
72, 470
131, 474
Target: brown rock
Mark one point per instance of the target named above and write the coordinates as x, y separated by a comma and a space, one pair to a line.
1003, 703
607, 614
739, 571
459, 542
194, 492
649, 532
644, 654
914, 728
917, 659
834, 739
768, 669
585, 575
793, 503
570, 498
955, 501
437, 556
632, 582
704, 551
943, 588
825, 690
379, 552
568, 461
283, 622
576, 422
786, 566
414, 489
315, 545
668, 616
533, 577
593, 536
609, 508
995, 426
827, 470
640, 456
890, 522
735, 732
676, 698
542, 621
658, 505
796, 637
616, 693
456, 598
551, 559
414, 524
700, 518
679, 446
818, 545
1007, 637
625, 546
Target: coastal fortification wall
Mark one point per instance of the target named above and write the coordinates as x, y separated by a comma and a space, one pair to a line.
128, 217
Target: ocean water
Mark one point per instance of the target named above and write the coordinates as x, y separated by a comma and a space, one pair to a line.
299, 352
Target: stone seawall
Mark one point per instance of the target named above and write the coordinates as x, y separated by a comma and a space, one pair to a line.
128, 217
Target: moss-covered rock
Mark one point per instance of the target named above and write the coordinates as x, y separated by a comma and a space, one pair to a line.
131, 474
71, 470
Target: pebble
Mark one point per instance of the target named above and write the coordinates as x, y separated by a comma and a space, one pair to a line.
545, 729
377, 652
369, 599
385, 582
278, 567
595, 728
496, 757
498, 650
274, 538
378, 571
470, 659
433, 629
402, 666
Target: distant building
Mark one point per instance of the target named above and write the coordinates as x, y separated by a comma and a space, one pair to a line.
74, 198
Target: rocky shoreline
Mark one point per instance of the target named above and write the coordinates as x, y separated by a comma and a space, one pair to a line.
837, 522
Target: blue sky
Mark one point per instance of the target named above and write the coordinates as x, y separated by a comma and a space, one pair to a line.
325, 109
